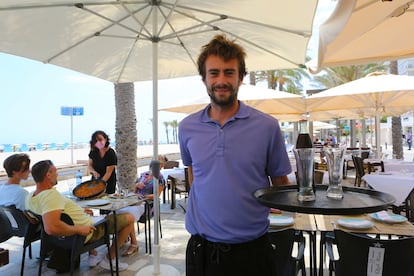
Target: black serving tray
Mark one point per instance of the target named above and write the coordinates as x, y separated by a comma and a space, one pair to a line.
355, 200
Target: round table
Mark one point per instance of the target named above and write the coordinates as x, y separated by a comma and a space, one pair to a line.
355, 200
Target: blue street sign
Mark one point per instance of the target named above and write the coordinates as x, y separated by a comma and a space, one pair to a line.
71, 110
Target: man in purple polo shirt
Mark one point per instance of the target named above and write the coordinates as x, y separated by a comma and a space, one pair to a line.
231, 150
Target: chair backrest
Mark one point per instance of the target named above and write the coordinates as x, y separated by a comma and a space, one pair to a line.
359, 166
66, 242
364, 155
283, 242
359, 253
372, 166
186, 180
5, 229
171, 164
16, 222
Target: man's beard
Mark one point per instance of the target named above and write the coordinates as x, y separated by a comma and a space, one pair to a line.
223, 102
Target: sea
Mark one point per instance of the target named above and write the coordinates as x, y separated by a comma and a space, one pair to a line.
40, 146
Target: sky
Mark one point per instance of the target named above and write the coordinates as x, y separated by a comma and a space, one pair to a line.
32, 94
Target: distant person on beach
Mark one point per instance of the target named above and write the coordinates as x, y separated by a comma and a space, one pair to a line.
17, 167
49, 203
231, 150
409, 137
103, 160
143, 187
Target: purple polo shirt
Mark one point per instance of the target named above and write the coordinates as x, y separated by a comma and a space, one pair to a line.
229, 163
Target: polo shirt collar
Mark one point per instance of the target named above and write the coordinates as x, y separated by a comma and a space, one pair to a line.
242, 113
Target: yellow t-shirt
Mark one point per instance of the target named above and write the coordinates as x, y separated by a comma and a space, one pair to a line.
51, 200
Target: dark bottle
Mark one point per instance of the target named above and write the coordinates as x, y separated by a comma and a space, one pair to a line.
304, 141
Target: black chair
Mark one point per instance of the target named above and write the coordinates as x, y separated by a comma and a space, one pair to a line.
16, 224
283, 242
374, 166
359, 170
75, 243
181, 188
364, 155
355, 251
171, 164
146, 220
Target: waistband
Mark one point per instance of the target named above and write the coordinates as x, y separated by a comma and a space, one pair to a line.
260, 240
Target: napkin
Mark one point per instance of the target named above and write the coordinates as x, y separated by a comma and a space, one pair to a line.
383, 215
281, 220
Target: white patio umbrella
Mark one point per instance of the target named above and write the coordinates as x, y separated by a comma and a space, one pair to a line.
261, 98
364, 31
125, 41
374, 95
317, 125
324, 115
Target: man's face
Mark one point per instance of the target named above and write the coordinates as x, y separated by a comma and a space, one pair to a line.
222, 80
52, 175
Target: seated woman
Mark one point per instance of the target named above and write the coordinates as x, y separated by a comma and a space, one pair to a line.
143, 187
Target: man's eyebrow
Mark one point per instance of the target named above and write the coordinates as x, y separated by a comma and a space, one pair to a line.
229, 70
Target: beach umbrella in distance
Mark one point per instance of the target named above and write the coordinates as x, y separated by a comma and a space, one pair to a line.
365, 31
261, 98
127, 41
374, 95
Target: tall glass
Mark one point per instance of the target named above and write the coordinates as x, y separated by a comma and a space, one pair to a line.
304, 167
335, 160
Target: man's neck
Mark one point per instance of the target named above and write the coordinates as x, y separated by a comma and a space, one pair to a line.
40, 187
222, 114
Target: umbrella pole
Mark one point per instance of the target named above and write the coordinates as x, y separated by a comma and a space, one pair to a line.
377, 134
156, 268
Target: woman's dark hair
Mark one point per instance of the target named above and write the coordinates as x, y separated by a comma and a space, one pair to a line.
94, 138
40, 169
19, 162
226, 49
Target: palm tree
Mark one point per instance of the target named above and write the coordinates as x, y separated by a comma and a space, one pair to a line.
334, 76
174, 125
396, 126
166, 124
126, 134
283, 80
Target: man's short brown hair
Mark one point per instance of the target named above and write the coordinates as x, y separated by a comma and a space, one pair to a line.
226, 49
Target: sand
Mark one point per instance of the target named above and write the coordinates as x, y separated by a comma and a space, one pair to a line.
62, 158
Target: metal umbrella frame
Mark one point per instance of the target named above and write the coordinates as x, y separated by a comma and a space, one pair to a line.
126, 41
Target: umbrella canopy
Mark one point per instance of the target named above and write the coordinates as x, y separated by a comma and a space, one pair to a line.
113, 40
374, 95
263, 99
364, 31
317, 125
125, 41
325, 115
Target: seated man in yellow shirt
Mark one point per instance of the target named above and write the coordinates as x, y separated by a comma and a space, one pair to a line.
49, 203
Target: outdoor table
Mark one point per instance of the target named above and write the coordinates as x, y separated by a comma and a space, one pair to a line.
177, 174
355, 201
394, 183
114, 205
398, 166
327, 223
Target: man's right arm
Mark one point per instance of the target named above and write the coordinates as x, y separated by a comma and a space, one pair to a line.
56, 227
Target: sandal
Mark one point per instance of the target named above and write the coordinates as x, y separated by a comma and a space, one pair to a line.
132, 250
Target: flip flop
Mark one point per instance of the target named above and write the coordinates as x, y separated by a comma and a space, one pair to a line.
132, 250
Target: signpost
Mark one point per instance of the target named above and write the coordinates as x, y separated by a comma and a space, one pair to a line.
71, 111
